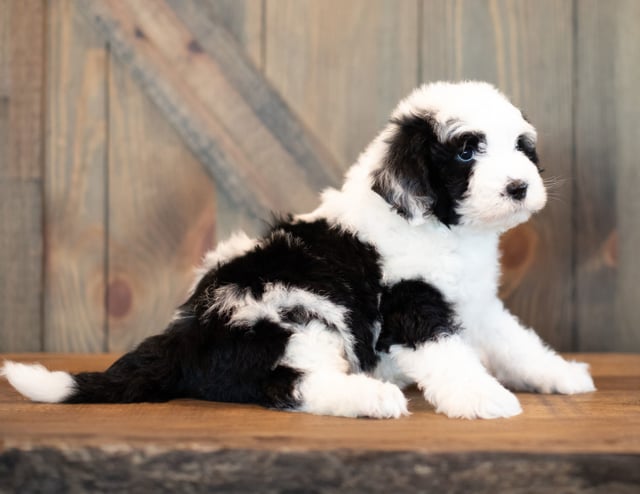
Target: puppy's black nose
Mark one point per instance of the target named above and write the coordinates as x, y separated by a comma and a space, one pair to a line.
517, 189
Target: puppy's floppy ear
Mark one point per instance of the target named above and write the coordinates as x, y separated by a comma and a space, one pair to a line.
403, 179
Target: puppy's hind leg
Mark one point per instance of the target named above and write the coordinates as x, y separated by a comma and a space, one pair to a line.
350, 395
326, 387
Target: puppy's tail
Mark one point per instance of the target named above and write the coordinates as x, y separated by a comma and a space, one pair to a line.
37, 383
151, 373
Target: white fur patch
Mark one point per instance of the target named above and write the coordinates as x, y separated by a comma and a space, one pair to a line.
486, 204
244, 309
37, 383
238, 244
351, 395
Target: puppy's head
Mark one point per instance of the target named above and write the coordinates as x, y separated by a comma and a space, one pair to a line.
462, 153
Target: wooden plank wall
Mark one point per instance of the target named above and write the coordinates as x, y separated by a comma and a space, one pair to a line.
21, 173
75, 187
607, 175
521, 47
106, 195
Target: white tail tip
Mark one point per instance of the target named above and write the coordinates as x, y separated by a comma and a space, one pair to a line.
37, 383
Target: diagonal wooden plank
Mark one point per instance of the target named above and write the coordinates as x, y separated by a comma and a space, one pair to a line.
342, 66
262, 99
160, 222
244, 21
232, 119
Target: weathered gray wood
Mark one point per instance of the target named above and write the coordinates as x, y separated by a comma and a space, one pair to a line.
4, 53
627, 133
25, 74
161, 215
526, 49
21, 136
595, 175
4, 122
5, 86
232, 217
243, 19
607, 175
317, 166
342, 66
207, 102
76, 183
20, 265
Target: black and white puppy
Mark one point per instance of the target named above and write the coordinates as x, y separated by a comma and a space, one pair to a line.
392, 280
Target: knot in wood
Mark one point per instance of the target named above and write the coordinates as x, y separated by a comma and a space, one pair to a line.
119, 298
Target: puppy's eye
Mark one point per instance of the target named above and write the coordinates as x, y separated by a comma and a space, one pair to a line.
466, 155
468, 146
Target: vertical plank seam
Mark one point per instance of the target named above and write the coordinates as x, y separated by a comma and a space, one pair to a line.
575, 329
420, 75
43, 168
263, 37
107, 198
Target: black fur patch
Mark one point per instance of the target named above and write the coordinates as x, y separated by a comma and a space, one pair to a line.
149, 373
527, 147
318, 258
414, 312
191, 361
425, 169
201, 356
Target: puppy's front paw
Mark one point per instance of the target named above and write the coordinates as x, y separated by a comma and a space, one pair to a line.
569, 378
485, 400
388, 402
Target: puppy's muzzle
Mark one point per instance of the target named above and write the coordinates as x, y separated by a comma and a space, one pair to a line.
517, 189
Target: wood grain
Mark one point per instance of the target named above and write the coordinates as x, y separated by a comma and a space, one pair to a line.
75, 187
607, 421
243, 19
20, 265
21, 163
628, 201
311, 163
26, 78
607, 178
597, 158
4, 60
264, 89
161, 215
342, 66
521, 47
208, 92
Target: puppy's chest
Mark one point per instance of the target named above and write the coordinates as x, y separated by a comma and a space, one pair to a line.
460, 267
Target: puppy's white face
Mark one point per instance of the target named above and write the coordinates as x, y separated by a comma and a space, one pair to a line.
463, 153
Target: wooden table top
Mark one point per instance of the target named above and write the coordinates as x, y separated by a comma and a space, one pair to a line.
607, 421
